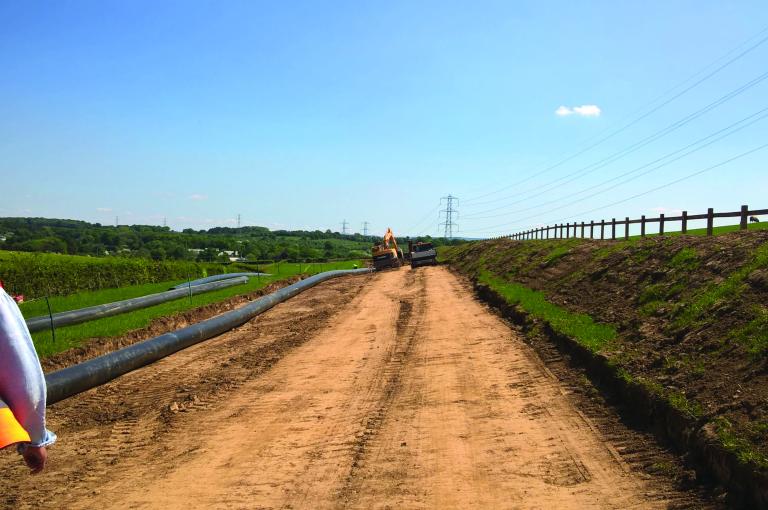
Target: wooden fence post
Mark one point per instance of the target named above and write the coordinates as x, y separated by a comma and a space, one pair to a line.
710, 220
613, 228
626, 228
661, 224
684, 228
602, 229
642, 225
582, 230
568, 230
744, 214
591, 229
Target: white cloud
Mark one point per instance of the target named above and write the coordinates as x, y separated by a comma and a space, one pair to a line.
104, 209
198, 197
585, 110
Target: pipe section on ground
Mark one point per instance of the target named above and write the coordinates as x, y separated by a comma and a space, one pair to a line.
215, 278
109, 309
95, 372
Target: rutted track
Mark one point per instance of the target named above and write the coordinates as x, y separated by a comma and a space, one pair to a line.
413, 395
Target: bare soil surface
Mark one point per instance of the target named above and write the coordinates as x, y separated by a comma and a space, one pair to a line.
391, 390
717, 359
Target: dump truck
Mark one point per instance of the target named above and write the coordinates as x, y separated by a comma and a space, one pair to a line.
422, 254
387, 254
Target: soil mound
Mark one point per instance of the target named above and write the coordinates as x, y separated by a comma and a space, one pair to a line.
691, 312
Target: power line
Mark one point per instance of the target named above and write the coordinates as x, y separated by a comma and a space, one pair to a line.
416, 226
450, 213
645, 115
625, 151
713, 138
657, 188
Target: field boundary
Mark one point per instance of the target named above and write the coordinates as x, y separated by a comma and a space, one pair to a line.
570, 230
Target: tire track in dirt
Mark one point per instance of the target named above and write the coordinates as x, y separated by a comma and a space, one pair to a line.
410, 310
637, 451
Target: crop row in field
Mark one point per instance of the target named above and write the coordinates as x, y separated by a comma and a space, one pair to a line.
41, 274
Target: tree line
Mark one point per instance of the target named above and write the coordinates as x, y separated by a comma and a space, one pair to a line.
75, 237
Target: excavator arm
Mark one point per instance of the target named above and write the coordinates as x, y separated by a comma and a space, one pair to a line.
390, 237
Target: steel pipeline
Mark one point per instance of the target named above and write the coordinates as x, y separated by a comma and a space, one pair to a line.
215, 278
108, 309
95, 372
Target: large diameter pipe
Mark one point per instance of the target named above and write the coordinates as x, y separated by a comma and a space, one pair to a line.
215, 278
95, 372
109, 309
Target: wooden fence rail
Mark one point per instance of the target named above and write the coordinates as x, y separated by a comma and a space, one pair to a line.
570, 230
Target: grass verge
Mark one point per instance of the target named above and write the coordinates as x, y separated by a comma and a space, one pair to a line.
72, 336
579, 326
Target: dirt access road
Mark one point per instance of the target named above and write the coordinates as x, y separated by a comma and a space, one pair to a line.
392, 390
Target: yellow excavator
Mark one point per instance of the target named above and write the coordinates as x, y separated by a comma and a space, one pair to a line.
387, 254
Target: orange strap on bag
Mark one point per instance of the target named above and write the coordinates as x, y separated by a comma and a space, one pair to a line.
11, 430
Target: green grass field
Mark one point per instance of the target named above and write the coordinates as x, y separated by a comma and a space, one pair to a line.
72, 336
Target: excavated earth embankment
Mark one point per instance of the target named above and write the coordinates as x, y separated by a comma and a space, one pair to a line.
691, 322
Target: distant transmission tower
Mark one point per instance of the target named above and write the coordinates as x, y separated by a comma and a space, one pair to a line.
365, 228
451, 214
165, 222
238, 220
344, 227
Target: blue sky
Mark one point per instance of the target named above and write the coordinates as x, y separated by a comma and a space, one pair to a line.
303, 114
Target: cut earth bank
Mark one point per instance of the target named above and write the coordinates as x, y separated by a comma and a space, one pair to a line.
676, 328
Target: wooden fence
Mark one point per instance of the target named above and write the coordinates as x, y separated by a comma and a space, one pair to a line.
608, 229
